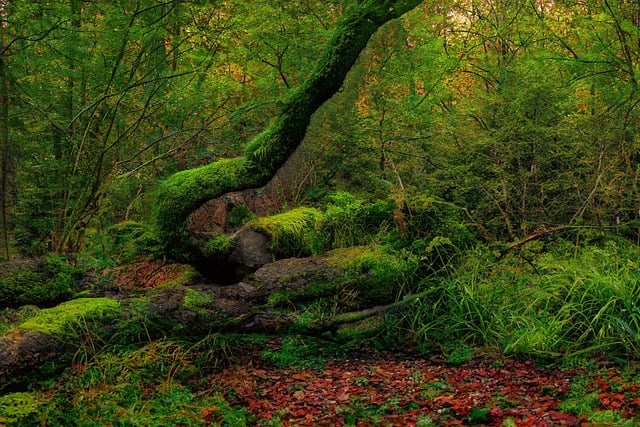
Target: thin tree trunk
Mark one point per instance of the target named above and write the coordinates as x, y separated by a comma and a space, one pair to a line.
5, 149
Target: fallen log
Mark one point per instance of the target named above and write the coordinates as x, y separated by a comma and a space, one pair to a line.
272, 300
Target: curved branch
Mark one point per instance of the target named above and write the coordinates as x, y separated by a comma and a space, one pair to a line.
184, 192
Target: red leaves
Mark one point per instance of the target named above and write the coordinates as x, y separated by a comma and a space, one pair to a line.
145, 274
613, 401
401, 392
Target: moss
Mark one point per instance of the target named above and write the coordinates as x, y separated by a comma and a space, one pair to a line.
345, 257
184, 192
316, 289
239, 216
291, 231
219, 246
56, 320
376, 275
197, 301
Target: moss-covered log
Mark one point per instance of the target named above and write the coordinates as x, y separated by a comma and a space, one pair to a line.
287, 295
185, 191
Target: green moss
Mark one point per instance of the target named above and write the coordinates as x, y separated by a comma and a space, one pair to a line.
316, 289
219, 246
344, 257
57, 319
290, 231
239, 215
197, 301
381, 276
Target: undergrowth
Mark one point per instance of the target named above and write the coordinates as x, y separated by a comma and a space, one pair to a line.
552, 301
46, 281
154, 385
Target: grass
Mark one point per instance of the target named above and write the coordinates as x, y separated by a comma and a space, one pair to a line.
560, 301
148, 386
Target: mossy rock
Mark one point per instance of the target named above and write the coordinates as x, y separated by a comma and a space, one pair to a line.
45, 281
380, 276
369, 273
292, 232
66, 316
28, 353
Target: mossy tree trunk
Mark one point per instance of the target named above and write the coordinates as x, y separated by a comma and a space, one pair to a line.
185, 191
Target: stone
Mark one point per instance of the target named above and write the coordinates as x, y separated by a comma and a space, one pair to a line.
251, 250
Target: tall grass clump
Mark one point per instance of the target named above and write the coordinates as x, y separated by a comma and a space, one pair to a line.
550, 301
600, 291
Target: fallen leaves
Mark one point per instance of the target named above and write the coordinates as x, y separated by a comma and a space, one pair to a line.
145, 274
397, 391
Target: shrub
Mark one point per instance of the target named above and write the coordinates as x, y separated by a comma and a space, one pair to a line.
46, 282
129, 240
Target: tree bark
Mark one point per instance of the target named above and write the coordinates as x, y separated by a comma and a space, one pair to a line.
185, 191
6, 169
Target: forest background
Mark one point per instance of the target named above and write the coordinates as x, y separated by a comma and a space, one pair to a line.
492, 147
522, 114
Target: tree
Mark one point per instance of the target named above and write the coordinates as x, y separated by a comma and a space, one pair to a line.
5, 147
96, 94
185, 191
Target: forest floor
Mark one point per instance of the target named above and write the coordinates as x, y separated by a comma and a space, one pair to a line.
408, 390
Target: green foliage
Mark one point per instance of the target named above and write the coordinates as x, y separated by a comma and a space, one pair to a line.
350, 221
111, 388
71, 314
460, 354
297, 352
127, 241
219, 246
49, 281
429, 219
9, 317
290, 231
382, 276
565, 301
197, 301
20, 408
239, 215
479, 415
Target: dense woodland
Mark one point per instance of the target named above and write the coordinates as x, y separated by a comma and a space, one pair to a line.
441, 178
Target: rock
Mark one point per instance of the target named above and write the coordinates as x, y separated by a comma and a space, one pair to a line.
295, 273
251, 250
24, 352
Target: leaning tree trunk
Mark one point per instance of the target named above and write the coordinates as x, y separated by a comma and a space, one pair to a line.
185, 191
